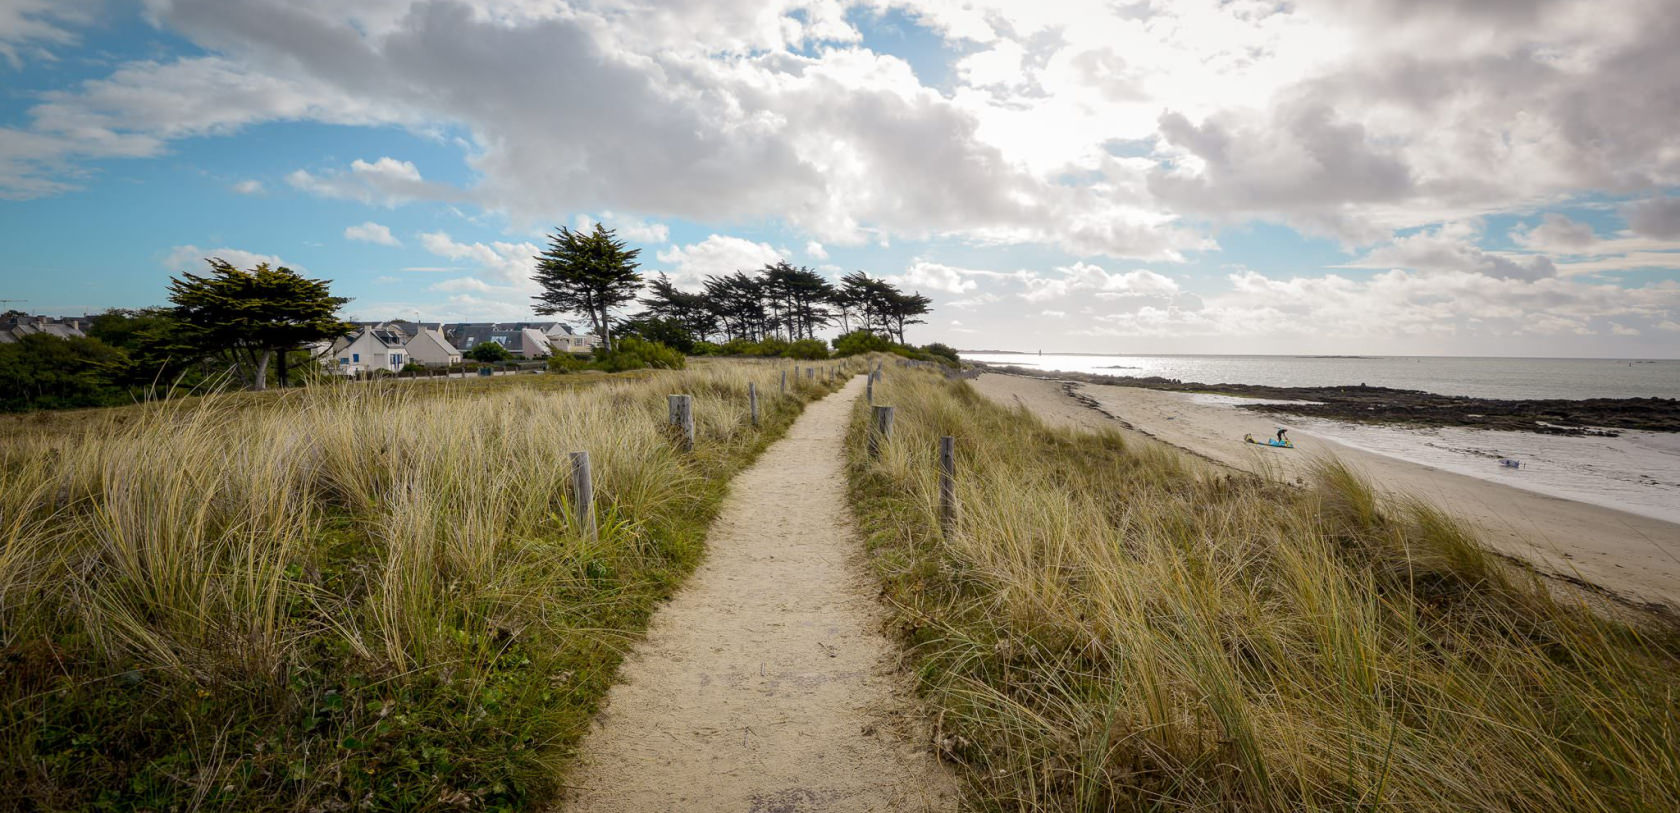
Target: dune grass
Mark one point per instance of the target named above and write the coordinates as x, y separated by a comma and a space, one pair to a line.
1112, 626
365, 596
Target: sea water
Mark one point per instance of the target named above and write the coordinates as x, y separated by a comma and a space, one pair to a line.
1638, 472
1511, 378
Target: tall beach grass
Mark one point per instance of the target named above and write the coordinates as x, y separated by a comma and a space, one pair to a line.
366, 596
1114, 626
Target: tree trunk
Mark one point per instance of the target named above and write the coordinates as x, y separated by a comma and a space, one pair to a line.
260, 381
282, 375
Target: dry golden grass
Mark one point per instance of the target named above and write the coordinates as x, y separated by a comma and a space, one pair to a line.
364, 594
1112, 627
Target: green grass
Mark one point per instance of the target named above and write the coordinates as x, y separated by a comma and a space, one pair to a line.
364, 596
1117, 626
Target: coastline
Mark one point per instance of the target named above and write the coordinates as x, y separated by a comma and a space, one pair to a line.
1387, 405
1632, 556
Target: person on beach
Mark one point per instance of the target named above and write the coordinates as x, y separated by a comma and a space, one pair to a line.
1281, 438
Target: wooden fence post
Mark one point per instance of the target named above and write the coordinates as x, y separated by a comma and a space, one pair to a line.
583, 495
784, 382
811, 374
869, 389
682, 417
880, 429
947, 485
752, 401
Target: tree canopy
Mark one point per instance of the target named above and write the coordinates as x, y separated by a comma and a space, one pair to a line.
591, 273
252, 315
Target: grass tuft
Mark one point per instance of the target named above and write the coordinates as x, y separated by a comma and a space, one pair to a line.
364, 596
1121, 626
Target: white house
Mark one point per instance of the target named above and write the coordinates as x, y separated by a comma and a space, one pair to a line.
428, 346
563, 340
370, 349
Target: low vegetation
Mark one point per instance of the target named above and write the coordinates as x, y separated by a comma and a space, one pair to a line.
1113, 626
352, 597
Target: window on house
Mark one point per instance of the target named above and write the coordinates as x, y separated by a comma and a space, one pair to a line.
343, 361
396, 359
356, 357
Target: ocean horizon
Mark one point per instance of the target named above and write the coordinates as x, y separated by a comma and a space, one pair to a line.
1502, 377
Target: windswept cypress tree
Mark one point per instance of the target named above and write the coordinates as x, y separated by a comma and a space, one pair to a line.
589, 273
253, 314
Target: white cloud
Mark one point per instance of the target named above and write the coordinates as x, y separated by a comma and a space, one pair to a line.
1556, 234
248, 187
815, 250
935, 277
627, 227
1088, 278
371, 232
190, 258
506, 263
386, 181
35, 27
716, 255
1452, 247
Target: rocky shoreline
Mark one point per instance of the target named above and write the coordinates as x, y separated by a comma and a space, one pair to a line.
1592, 416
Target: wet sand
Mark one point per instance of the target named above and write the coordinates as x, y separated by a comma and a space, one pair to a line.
1635, 557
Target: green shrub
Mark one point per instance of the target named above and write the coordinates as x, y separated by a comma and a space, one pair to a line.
860, 341
944, 352
489, 352
807, 349
567, 363
771, 348
631, 353
47, 372
669, 332
706, 349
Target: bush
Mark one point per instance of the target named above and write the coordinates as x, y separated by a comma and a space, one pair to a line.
46, 372
944, 352
771, 348
808, 349
631, 353
413, 367
488, 352
738, 347
668, 332
707, 349
860, 341
567, 363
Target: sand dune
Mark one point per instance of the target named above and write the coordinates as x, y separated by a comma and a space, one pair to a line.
1636, 557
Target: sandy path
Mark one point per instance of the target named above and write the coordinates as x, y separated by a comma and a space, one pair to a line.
766, 684
1634, 556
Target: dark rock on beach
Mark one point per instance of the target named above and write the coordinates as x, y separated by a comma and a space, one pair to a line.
1357, 402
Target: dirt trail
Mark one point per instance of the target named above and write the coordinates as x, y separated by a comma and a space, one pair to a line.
1634, 557
766, 684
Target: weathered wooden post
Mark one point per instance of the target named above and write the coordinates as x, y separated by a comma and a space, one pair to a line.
869, 389
752, 401
583, 495
811, 374
682, 417
947, 485
880, 429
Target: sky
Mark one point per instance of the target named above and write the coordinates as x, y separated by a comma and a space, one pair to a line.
1429, 177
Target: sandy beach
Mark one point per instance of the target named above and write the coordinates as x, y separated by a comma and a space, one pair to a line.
1635, 557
